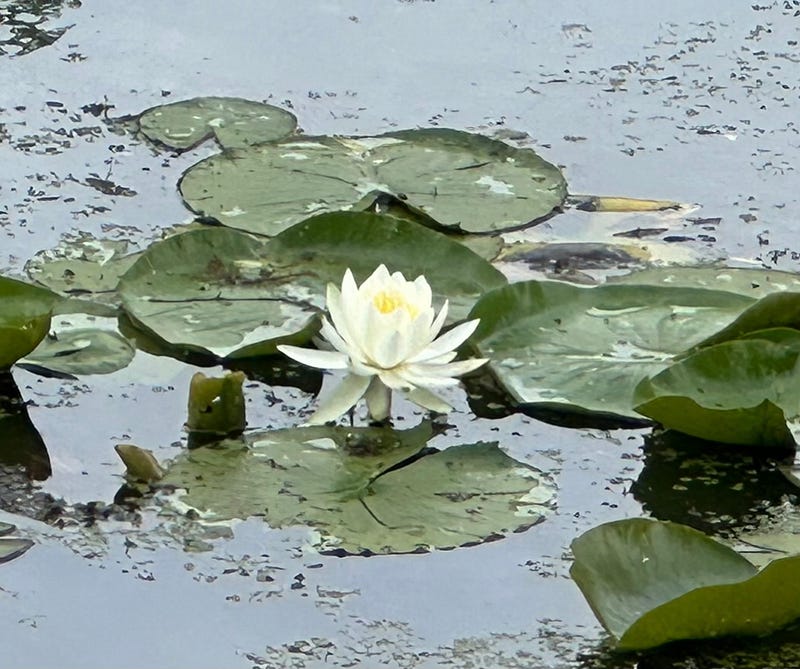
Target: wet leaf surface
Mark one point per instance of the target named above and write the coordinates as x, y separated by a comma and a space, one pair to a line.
737, 392
464, 182
651, 583
562, 347
223, 292
24, 318
235, 123
365, 490
79, 344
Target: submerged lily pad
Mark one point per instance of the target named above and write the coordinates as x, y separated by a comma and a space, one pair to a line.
235, 123
366, 490
559, 346
462, 181
652, 582
86, 266
81, 344
224, 292
24, 318
738, 392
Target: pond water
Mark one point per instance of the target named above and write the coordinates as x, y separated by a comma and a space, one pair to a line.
687, 101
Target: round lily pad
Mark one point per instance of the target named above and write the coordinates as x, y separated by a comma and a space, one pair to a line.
235, 123
557, 346
463, 181
365, 490
226, 293
81, 344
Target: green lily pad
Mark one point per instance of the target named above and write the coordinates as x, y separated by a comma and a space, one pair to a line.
24, 318
223, 292
81, 344
235, 123
751, 282
365, 490
11, 548
738, 392
777, 311
86, 266
650, 583
465, 182
570, 348
208, 291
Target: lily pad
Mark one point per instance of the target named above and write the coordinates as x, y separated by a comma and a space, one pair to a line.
777, 311
235, 123
365, 490
86, 266
569, 348
11, 548
751, 282
226, 293
81, 344
465, 182
738, 392
24, 318
650, 583
209, 291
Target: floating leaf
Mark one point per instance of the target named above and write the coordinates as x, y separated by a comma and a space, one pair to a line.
24, 318
210, 291
86, 266
774, 311
735, 393
235, 123
221, 291
366, 490
651, 582
462, 181
558, 346
11, 548
750, 282
81, 344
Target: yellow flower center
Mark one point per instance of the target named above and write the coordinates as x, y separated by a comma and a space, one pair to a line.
386, 302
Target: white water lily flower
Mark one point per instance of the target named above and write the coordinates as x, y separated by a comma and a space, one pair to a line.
384, 333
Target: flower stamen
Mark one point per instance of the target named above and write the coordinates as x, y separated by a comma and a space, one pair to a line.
388, 301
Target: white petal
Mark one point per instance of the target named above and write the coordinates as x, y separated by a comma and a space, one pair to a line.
314, 358
437, 376
337, 313
423, 291
437, 325
343, 398
375, 282
427, 400
419, 377
449, 341
334, 338
393, 380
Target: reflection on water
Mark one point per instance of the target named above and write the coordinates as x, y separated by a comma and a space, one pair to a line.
712, 487
23, 26
21, 445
